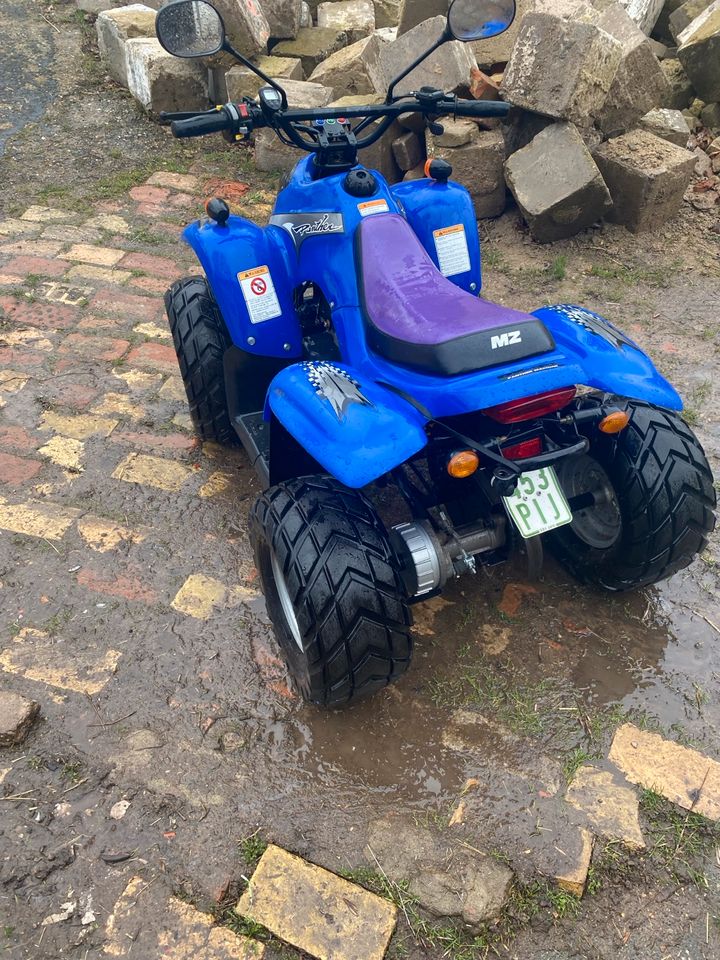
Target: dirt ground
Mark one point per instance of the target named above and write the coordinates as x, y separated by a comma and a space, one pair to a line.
131, 610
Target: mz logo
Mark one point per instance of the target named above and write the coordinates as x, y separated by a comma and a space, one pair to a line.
505, 339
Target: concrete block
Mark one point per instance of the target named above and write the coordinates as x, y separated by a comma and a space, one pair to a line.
643, 12
478, 165
521, 127
562, 68
681, 92
670, 125
710, 116
312, 45
306, 19
270, 153
684, 15
347, 72
646, 176
17, 715
242, 82
448, 68
356, 18
609, 805
386, 34
283, 17
316, 911
556, 184
409, 151
114, 28
413, 12
246, 25
639, 83
387, 13
699, 53
160, 81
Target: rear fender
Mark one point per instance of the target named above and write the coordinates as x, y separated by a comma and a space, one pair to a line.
354, 428
239, 259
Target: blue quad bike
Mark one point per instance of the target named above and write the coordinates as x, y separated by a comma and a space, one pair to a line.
346, 345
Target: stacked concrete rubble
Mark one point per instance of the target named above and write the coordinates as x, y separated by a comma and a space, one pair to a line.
615, 106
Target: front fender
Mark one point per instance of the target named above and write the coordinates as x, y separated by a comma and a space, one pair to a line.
356, 429
608, 358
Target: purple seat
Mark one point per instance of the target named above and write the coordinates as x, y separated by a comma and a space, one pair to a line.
416, 317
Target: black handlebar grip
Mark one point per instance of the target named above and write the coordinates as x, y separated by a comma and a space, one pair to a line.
213, 122
478, 108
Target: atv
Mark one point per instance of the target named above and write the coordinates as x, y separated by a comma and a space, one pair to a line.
347, 347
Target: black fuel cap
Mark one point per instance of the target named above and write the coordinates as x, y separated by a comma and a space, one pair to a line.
438, 169
360, 183
217, 210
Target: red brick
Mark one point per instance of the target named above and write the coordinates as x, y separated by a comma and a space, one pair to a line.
13, 357
149, 284
119, 302
157, 442
149, 194
65, 393
155, 266
184, 200
94, 348
109, 206
40, 266
16, 438
130, 588
150, 210
55, 316
157, 356
104, 323
16, 470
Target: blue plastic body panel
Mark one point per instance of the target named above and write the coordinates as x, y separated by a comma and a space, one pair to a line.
354, 428
241, 245
431, 206
312, 238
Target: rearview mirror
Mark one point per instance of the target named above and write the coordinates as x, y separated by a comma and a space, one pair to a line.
190, 28
479, 19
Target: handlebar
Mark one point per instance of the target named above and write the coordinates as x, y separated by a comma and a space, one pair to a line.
248, 115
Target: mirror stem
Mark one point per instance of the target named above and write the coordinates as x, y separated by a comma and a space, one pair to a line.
229, 48
444, 37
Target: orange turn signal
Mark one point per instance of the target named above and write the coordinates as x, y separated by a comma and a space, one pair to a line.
463, 463
614, 422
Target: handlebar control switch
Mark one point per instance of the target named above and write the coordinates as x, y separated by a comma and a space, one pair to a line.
439, 170
429, 96
360, 183
218, 211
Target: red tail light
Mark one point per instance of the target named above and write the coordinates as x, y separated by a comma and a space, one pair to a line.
524, 449
531, 407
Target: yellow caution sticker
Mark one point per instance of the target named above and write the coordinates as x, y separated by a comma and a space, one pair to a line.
258, 290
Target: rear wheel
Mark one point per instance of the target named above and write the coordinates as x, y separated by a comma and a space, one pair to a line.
201, 339
654, 503
332, 588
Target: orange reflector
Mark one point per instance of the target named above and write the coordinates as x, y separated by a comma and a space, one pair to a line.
426, 169
463, 463
614, 422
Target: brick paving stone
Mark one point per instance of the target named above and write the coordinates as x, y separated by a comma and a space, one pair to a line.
56, 316
129, 588
86, 271
173, 389
94, 348
17, 715
120, 302
64, 393
174, 181
69, 234
110, 222
156, 442
154, 330
155, 266
11, 280
91, 322
316, 911
34, 519
40, 266
139, 380
28, 337
156, 195
158, 356
201, 596
149, 284
41, 214
36, 656
104, 535
118, 404
65, 452
217, 483
99, 256
152, 210
33, 248
79, 427
12, 381
611, 808
11, 356
17, 438
152, 471
15, 471
182, 201
15, 228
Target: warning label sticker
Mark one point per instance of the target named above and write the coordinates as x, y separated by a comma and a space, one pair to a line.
373, 206
452, 250
259, 291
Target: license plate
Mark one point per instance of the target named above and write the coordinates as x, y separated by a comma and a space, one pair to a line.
538, 504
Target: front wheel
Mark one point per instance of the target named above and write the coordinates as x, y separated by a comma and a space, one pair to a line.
332, 588
654, 503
